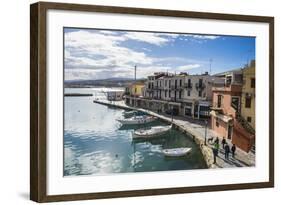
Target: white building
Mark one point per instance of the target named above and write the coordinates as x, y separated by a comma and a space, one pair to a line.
115, 95
186, 95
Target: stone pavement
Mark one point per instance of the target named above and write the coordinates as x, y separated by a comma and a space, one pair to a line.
197, 129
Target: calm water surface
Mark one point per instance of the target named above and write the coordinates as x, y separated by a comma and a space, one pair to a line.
95, 143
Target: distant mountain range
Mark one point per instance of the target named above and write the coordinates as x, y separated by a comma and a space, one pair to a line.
109, 82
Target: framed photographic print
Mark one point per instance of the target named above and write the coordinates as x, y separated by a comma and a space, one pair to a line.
134, 102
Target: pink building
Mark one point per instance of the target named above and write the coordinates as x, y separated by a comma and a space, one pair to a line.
225, 116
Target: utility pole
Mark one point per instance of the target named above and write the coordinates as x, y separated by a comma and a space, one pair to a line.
206, 125
134, 87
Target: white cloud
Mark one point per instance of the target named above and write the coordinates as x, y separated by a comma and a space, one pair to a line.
101, 54
188, 67
151, 38
203, 37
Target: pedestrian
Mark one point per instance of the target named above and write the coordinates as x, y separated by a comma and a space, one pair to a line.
223, 142
226, 151
215, 152
217, 140
233, 149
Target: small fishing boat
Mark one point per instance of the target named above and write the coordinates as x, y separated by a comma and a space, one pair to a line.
151, 132
177, 152
137, 120
130, 113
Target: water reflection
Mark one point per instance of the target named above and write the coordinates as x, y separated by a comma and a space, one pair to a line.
95, 143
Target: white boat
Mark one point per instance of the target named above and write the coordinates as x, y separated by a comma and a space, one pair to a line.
177, 152
152, 132
137, 120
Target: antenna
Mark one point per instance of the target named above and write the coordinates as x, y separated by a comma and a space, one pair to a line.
135, 73
210, 60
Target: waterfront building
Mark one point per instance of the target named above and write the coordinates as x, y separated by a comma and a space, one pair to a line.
248, 97
226, 117
133, 91
115, 95
181, 94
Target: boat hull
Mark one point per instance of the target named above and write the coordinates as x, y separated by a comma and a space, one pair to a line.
137, 121
142, 134
176, 152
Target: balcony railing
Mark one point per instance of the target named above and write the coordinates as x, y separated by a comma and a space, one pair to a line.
200, 86
216, 106
173, 87
188, 85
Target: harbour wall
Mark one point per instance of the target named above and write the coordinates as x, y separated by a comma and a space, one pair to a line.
205, 150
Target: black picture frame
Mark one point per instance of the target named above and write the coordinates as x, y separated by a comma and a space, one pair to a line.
38, 102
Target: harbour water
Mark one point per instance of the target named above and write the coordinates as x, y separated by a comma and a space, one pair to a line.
96, 143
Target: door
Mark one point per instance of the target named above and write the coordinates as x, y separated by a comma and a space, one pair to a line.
229, 133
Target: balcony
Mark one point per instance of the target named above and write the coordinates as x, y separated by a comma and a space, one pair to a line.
149, 90
200, 86
230, 88
188, 85
216, 107
173, 87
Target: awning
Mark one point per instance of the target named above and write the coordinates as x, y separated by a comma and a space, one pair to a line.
204, 103
174, 103
222, 117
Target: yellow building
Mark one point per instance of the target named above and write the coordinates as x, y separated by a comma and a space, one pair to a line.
135, 89
248, 99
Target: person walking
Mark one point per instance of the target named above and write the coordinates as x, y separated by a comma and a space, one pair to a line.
217, 140
223, 142
226, 151
233, 149
215, 152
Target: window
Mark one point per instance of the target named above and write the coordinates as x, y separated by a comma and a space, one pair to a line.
219, 100
217, 123
176, 83
165, 93
249, 119
248, 102
180, 82
189, 83
188, 93
235, 103
165, 83
169, 93
253, 82
180, 94
200, 93
200, 82
169, 83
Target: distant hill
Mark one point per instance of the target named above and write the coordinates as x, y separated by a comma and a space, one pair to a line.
109, 82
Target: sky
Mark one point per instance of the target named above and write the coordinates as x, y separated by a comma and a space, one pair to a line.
91, 54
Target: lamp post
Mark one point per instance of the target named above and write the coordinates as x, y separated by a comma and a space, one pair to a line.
206, 124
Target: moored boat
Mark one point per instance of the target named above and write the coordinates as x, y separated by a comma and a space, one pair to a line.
177, 152
130, 113
151, 132
137, 120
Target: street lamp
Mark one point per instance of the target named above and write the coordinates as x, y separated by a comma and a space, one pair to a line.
206, 124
